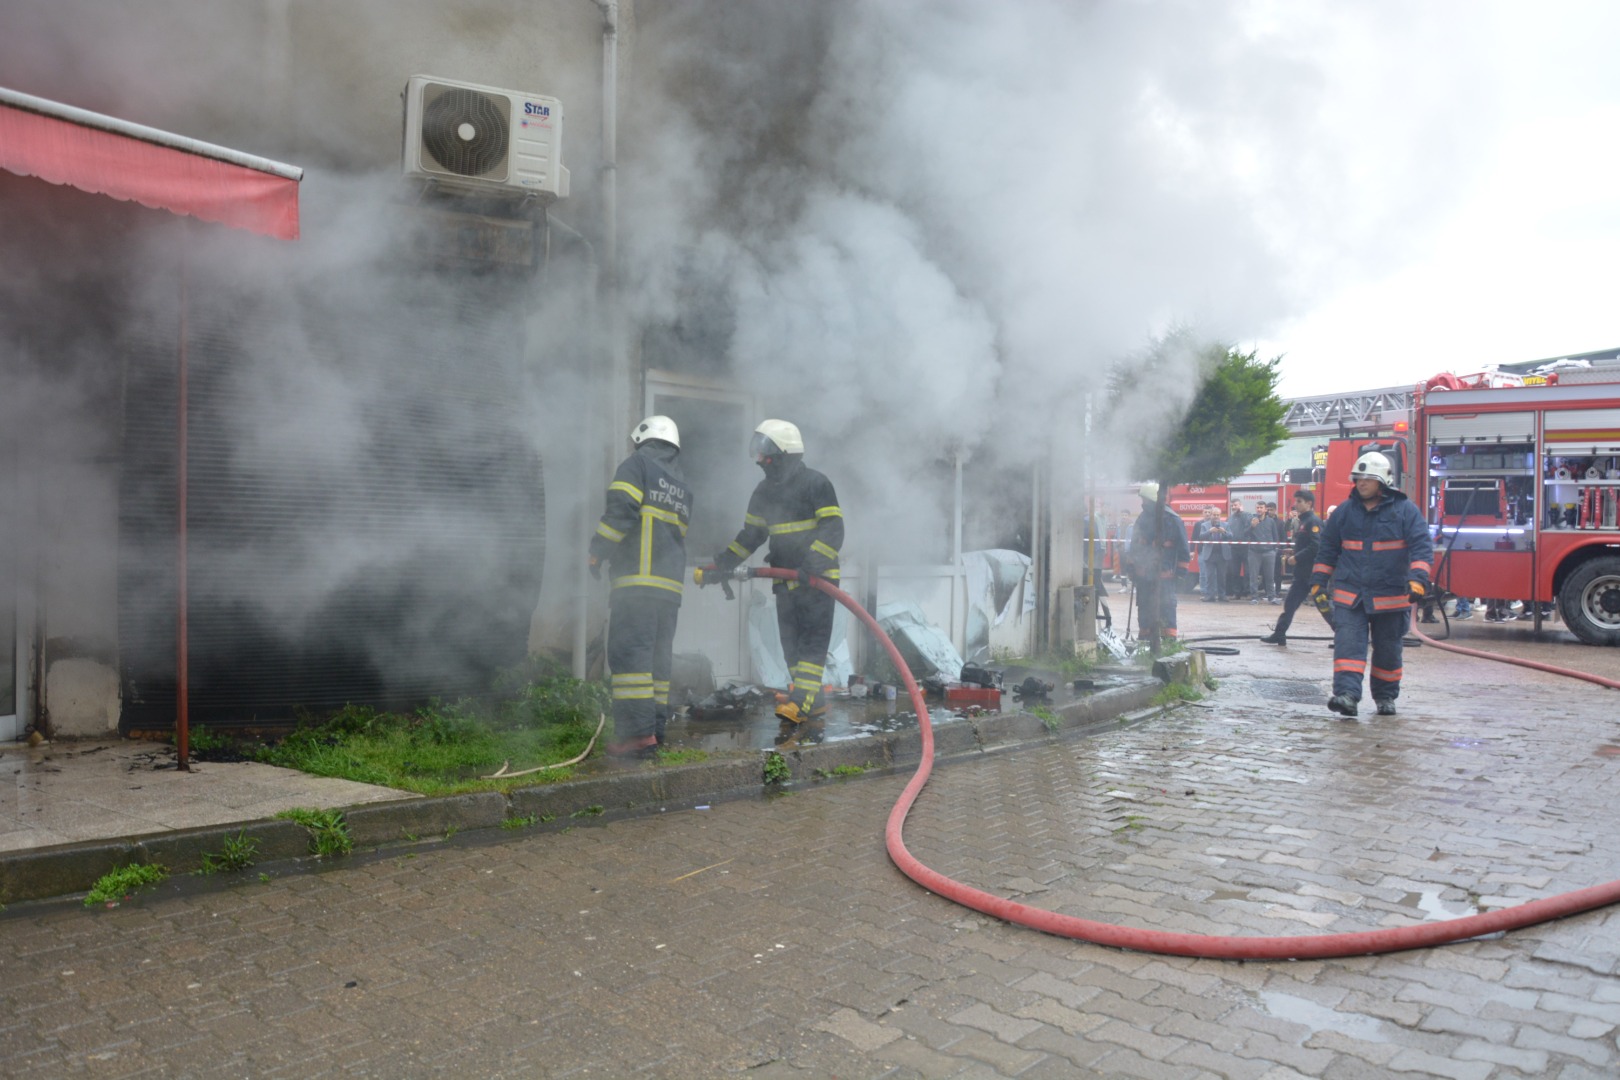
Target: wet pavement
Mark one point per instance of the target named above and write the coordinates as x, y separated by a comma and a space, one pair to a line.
773, 937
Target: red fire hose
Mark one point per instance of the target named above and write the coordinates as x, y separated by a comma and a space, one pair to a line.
1536, 664
1210, 946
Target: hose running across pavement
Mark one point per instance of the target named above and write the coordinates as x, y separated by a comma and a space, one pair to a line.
1208, 946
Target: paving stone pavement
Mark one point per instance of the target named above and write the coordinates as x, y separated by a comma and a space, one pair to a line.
774, 938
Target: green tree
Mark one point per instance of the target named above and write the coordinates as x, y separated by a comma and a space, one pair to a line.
1227, 416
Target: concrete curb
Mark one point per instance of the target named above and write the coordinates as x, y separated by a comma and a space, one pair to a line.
68, 869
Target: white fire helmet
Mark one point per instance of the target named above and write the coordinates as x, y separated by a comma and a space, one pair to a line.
657, 427
1375, 465
774, 437
1149, 492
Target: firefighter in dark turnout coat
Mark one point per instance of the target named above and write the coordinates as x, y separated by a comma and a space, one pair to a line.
796, 509
1158, 552
642, 538
1377, 550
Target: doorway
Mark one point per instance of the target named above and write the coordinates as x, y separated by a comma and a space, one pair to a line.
715, 425
10, 663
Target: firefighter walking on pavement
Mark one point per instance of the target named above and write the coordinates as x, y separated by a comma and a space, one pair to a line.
1376, 549
796, 509
1307, 538
642, 539
1157, 553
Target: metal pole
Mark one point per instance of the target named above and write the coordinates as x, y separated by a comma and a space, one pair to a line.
182, 719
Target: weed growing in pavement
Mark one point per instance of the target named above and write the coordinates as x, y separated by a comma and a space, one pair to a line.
328, 832
840, 770
776, 769
1176, 692
1045, 716
116, 885
589, 811
521, 822
686, 755
240, 853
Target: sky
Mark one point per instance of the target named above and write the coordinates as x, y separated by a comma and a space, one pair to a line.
1517, 261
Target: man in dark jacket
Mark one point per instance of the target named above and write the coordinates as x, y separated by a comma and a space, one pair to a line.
642, 537
796, 508
1307, 537
1377, 550
1238, 526
1157, 553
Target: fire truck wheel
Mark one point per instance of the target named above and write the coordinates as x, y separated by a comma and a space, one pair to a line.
1590, 601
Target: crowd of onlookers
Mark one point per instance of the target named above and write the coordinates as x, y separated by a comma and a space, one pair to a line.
1245, 556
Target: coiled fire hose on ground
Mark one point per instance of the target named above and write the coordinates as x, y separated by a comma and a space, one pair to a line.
1208, 946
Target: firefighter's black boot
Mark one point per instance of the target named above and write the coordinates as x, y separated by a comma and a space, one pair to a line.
1276, 637
1386, 707
1344, 704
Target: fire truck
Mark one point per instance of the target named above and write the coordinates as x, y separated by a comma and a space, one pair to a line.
1521, 486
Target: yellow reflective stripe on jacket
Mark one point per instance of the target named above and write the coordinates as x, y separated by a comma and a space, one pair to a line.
603, 529
738, 550
829, 511
793, 527
648, 581
664, 515
754, 519
821, 547
626, 487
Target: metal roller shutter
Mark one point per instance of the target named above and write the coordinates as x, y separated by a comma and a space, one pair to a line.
366, 516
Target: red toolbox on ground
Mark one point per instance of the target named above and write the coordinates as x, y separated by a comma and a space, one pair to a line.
987, 696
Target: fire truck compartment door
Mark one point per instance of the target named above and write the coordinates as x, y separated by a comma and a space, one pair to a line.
1482, 427
1590, 429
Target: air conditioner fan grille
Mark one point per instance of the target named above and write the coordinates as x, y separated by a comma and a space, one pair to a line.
465, 132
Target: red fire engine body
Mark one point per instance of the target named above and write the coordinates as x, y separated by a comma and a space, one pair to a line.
1521, 486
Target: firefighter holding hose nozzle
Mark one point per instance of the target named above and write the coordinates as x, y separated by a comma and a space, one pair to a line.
1158, 552
796, 509
1376, 549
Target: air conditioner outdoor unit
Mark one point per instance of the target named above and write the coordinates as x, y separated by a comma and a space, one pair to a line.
482, 138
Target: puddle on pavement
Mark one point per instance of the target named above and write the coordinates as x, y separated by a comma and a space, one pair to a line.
1433, 907
1319, 1017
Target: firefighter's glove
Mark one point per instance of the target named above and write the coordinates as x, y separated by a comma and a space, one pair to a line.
805, 576
1415, 590
596, 568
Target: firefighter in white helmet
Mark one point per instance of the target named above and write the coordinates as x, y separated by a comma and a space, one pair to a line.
642, 538
1157, 553
796, 509
1376, 549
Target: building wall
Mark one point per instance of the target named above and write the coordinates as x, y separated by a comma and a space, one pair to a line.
312, 83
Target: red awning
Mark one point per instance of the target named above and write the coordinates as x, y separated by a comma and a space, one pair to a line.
97, 153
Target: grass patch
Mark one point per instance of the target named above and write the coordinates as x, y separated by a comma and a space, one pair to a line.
1046, 716
240, 853
686, 755
522, 822
447, 749
839, 770
116, 885
328, 832
1176, 692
